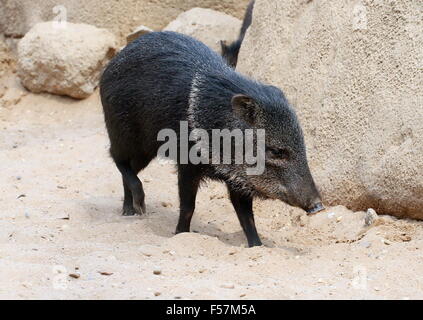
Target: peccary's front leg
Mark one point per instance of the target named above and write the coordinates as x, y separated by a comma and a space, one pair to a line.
244, 209
188, 182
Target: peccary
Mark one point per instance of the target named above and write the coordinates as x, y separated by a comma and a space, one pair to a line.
164, 78
230, 52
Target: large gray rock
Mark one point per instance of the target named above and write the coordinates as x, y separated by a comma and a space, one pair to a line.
207, 25
353, 70
64, 61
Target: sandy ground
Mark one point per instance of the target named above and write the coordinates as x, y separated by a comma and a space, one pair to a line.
62, 235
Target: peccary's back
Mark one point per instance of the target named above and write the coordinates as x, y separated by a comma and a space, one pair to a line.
150, 79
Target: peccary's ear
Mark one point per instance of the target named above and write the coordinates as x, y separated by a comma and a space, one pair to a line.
245, 108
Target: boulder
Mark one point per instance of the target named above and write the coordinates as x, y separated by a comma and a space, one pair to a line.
64, 60
207, 25
353, 71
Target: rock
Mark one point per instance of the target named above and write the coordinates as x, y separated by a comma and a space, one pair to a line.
138, 32
357, 92
370, 217
64, 61
228, 286
387, 242
157, 272
207, 25
17, 17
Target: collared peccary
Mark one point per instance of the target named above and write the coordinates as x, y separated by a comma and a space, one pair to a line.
230, 52
164, 78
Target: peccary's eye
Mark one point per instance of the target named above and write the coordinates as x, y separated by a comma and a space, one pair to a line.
278, 153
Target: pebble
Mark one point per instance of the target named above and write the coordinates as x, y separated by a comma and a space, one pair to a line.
228, 286
387, 242
157, 272
75, 275
370, 217
157, 293
339, 219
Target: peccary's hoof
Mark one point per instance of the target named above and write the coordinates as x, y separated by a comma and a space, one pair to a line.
316, 208
134, 210
139, 209
128, 211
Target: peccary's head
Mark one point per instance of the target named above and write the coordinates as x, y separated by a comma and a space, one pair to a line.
287, 175
230, 52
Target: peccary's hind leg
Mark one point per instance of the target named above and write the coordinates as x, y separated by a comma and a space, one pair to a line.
244, 209
134, 193
128, 207
188, 181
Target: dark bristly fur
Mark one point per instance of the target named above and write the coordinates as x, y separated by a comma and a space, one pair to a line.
230, 52
163, 78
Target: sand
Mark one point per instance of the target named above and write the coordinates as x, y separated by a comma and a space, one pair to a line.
62, 235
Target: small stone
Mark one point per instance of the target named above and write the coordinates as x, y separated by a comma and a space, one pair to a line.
370, 217
157, 293
339, 219
387, 242
75, 275
376, 289
228, 286
166, 204
157, 272
105, 273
